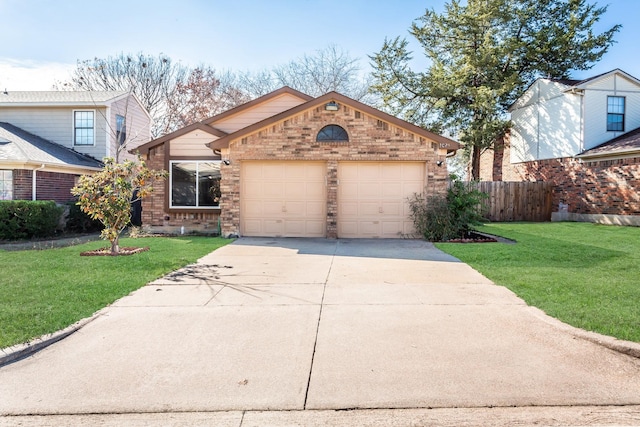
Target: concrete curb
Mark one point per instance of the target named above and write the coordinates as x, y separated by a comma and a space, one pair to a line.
20, 351
629, 348
49, 244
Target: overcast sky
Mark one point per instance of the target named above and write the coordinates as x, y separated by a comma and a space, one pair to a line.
43, 39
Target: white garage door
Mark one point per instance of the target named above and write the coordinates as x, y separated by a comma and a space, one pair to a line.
372, 197
283, 199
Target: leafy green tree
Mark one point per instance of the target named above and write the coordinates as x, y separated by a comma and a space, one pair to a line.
107, 195
482, 55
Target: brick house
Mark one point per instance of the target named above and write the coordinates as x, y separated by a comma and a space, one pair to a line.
584, 136
290, 165
49, 138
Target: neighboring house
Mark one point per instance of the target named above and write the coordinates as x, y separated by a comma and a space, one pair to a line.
584, 137
290, 165
48, 139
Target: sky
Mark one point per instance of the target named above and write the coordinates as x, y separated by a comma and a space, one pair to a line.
43, 39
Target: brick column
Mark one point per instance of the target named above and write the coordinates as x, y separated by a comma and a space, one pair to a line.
332, 199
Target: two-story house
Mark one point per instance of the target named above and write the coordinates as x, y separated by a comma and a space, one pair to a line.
49, 138
582, 135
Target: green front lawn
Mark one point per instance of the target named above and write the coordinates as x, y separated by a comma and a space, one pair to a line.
45, 291
586, 275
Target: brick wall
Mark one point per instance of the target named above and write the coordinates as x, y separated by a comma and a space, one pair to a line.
155, 216
610, 187
295, 139
49, 185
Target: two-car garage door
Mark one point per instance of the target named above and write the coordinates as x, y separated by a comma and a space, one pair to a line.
289, 198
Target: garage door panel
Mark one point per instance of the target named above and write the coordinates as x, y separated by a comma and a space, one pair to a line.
252, 226
269, 208
369, 228
347, 210
348, 190
393, 209
254, 192
368, 190
271, 172
316, 209
391, 190
368, 209
316, 190
273, 227
379, 207
283, 198
390, 228
294, 190
368, 171
392, 172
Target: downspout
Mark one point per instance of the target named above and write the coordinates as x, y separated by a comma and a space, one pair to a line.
33, 182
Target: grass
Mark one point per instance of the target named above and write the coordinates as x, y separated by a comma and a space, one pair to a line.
47, 290
586, 275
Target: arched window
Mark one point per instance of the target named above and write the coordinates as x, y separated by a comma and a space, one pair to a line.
332, 133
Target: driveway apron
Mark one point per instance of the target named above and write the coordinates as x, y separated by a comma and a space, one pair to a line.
291, 324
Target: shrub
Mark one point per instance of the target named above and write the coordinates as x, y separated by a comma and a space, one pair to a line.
23, 219
444, 217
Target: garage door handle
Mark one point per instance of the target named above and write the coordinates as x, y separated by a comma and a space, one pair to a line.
380, 210
284, 208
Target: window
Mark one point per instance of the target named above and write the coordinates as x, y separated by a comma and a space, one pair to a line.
615, 113
121, 129
6, 185
332, 133
195, 184
83, 132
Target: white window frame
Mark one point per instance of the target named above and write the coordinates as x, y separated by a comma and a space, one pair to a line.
73, 124
4, 193
121, 134
170, 195
623, 114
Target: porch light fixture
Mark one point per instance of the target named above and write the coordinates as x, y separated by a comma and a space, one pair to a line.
439, 163
331, 106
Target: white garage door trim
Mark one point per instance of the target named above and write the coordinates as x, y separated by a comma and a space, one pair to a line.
372, 198
283, 199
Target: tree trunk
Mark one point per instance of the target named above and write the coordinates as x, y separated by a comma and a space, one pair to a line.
475, 163
115, 247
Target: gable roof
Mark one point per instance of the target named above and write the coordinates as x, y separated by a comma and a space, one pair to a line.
342, 99
624, 145
206, 125
144, 148
18, 145
582, 84
59, 98
573, 85
283, 90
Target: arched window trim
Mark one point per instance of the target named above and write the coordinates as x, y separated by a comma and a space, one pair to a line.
331, 133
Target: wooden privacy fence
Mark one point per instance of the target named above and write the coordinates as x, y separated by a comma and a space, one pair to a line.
517, 201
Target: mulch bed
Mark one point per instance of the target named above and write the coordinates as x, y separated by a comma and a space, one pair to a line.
473, 238
107, 251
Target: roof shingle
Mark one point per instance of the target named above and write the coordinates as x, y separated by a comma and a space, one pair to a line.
16, 144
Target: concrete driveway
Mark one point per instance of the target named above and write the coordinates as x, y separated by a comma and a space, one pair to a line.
315, 324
